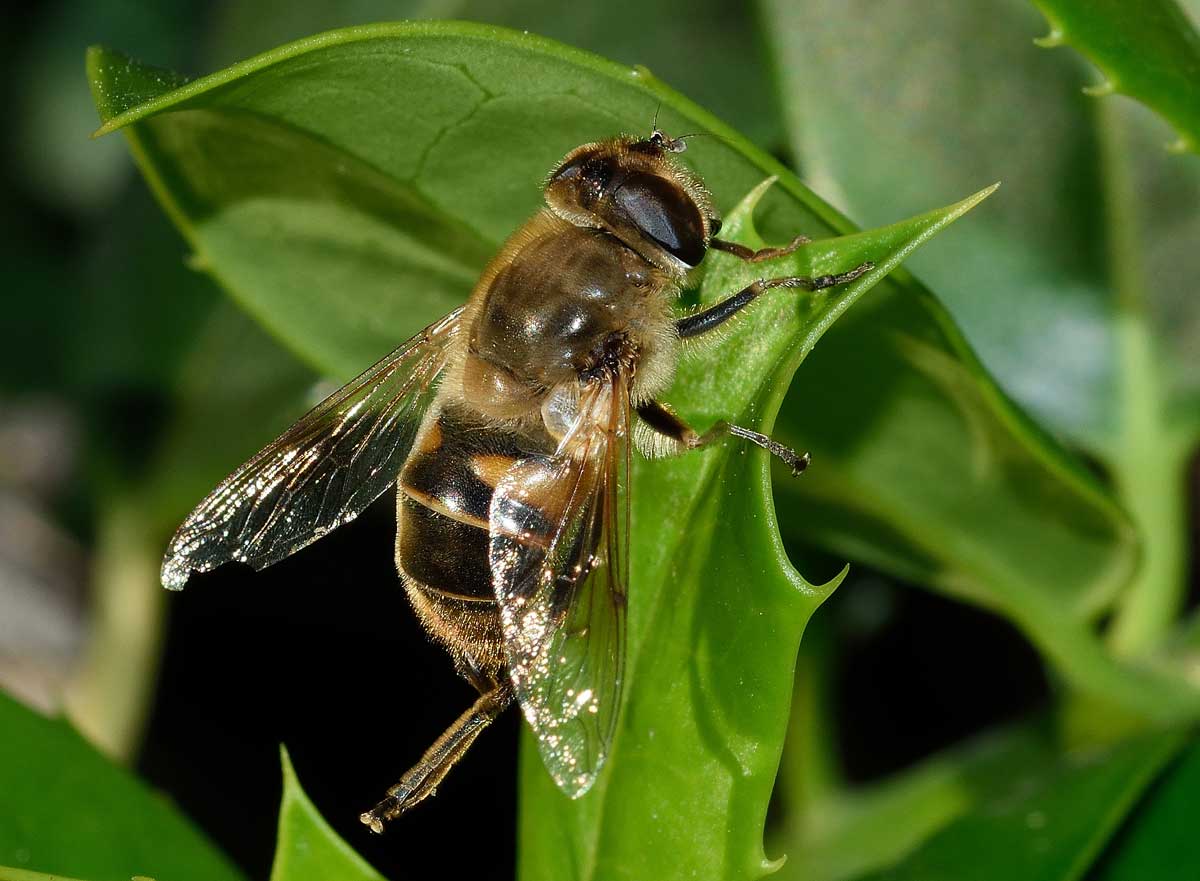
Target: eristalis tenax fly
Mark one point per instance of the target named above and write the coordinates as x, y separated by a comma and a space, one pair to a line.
506, 428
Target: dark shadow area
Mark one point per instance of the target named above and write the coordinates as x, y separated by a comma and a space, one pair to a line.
322, 653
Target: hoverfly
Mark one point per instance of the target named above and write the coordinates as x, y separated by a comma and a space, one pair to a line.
506, 428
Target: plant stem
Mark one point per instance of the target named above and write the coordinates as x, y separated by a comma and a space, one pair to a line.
107, 700
1148, 464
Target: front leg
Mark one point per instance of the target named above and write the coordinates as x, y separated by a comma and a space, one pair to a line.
717, 314
679, 437
752, 256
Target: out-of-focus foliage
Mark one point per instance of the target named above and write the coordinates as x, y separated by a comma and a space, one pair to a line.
67, 810
1075, 283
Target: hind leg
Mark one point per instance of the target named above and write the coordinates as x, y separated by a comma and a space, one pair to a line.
422, 779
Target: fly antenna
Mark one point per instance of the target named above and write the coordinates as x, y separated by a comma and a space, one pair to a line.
701, 135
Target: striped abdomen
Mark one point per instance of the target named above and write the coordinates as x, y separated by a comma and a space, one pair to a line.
444, 494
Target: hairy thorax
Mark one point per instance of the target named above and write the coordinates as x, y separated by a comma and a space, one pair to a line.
553, 302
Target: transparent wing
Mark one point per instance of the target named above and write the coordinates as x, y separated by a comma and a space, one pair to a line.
320, 473
559, 559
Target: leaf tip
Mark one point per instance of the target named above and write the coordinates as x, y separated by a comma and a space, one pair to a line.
285, 761
822, 592
641, 72
1182, 144
971, 201
1101, 89
751, 200
1052, 40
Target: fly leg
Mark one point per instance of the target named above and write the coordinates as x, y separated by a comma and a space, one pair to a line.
705, 320
423, 778
680, 437
752, 256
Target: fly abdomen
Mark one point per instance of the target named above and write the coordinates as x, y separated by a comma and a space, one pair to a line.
442, 553
443, 500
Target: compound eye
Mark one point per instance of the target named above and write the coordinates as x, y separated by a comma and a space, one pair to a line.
664, 212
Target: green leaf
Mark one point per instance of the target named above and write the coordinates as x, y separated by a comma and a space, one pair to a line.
389, 193
420, 183
716, 610
1048, 827
69, 811
308, 848
1026, 279
855, 830
1149, 51
926, 469
701, 47
8, 873
1159, 840
1030, 281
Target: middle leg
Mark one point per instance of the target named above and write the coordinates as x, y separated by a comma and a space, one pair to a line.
681, 437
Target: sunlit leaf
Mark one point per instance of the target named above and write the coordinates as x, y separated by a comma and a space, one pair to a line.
308, 848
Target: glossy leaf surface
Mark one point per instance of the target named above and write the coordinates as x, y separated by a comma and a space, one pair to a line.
307, 848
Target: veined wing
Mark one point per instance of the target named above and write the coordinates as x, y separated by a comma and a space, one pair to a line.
559, 559
320, 473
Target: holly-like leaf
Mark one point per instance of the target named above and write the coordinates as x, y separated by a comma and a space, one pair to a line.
1149, 51
716, 609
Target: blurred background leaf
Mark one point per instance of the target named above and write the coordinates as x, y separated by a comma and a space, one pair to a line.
1150, 52
1072, 288
1074, 285
1051, 827
68, 811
